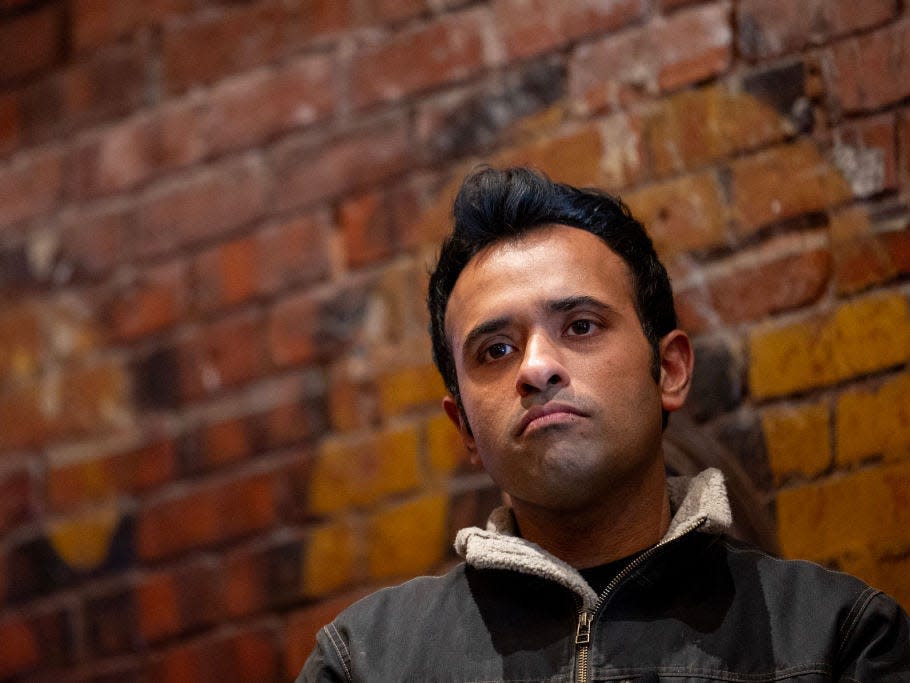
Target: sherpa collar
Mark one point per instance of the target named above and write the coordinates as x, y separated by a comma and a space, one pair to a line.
695, 501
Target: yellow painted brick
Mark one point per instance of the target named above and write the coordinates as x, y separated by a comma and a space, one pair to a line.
859, 337
330, 559
83, 542
355, 471
874, 422
409, 388
891, 575
409, 538
866, 512
446, 449
798, 439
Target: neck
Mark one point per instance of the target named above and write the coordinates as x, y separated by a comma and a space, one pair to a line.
613, 527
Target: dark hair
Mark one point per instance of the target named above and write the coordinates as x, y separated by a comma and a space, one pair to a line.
494, 205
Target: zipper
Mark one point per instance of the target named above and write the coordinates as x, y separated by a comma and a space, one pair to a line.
586, 617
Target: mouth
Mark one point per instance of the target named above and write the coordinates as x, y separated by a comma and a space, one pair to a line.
549, 414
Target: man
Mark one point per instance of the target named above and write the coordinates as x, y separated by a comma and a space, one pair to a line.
554, 329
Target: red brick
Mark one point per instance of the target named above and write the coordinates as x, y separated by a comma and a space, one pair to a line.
23, 347
91, 400
17, 501
682, 214
175, 601
898, 246
530, 27
206, 204
319, 18
111, 83
696, 127
670, 52
368, 229
223, 354
182, 134
152, 303
398, 10
21, 651
258, 106
104, 478
211, 45
205, 516
446, 50
227, 274
10, 121
23, 423
297, 251
770, 27
297, 415
96, 22
227, 442
31, 42
872, 70
784, 182
761, 289
250, 656
94, 240
865, 153
310, 173
115, 158
30, 185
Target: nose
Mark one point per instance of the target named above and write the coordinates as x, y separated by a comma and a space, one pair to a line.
541, 368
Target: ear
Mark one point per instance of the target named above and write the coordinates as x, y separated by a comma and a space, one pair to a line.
676, 362
451, 407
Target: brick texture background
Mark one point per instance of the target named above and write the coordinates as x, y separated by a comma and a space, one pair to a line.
219, 422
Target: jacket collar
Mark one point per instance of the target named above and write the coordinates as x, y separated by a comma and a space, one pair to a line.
696, 502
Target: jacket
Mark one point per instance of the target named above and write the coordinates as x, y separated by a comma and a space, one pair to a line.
698, 606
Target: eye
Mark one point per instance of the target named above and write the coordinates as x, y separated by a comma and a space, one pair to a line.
581, 327
496, 351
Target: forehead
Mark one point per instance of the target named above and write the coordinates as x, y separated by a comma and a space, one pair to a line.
546, 263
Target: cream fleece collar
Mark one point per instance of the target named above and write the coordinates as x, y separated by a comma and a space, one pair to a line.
699, 501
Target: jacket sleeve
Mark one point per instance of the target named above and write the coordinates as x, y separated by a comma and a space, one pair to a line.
329, 661
875, 642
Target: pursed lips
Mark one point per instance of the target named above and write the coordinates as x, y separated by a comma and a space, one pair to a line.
536, 412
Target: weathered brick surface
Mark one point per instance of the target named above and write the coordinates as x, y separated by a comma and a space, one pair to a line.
219, 421
684, 48
798, 439
699, 126
208, 46
206, 516
30, 185
530, 27
209, 203
874, 421
354, 471
871, 70
409, 538
448, 50
783, 183
868, 334
683, 214
855, 514
768, 28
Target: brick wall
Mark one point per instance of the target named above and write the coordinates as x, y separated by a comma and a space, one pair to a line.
219, 422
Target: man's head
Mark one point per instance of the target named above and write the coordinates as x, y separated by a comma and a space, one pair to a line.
500, 205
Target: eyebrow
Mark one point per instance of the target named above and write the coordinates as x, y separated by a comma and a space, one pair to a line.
564, 305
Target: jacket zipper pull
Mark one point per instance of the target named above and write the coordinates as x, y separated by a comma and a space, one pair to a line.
583, 632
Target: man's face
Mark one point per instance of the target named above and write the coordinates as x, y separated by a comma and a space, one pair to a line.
554, 370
